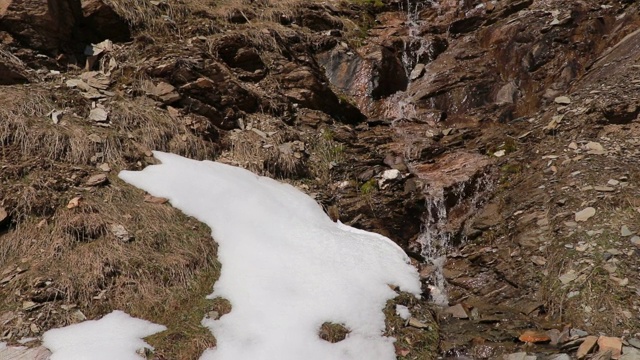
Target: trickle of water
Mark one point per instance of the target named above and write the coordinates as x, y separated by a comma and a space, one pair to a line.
436, 239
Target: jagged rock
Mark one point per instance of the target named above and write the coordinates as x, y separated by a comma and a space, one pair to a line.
3, 214
163, 92
624, 231
585, 214
120, 232
104, 22
98, 179
457, 311
630, 353
507, 93
611, 344
12, 70
586, 346
98, 114
562, 100
413, 322
24, 353
519, 356
43, 25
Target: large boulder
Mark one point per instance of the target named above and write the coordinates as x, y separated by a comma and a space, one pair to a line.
103, 22
45, 25
12, 71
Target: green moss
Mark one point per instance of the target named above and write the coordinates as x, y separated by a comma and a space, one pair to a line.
369, 187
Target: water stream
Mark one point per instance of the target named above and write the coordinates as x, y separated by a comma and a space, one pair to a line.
437, 237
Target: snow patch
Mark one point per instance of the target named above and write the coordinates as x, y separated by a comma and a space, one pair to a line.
286, 267
115, 336
403, 312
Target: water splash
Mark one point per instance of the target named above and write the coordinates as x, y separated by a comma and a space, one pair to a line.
438, 237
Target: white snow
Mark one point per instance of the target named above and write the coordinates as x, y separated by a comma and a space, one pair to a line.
115, 336
403, 312
286, 267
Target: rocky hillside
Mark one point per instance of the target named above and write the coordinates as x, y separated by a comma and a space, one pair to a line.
495, 141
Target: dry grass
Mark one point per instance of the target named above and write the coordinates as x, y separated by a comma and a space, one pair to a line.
422, 344
278, 154
162, 275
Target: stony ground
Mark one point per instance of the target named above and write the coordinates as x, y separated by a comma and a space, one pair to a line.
500, 134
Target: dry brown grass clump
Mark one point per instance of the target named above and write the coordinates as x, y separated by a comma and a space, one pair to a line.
163, 274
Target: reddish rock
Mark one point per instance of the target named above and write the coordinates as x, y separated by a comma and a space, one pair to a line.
533, 336
612, 344
40, 24
586, 346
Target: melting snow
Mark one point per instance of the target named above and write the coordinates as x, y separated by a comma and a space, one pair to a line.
115, 336
286, 267
403, 312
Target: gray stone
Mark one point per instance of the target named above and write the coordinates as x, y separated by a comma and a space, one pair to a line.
121, 233
630, 353
585, 214
98, 179
519, 356
634, 342
560, 357
635, 240
624, 231
578, 333
457, 311
562, 100
98, 115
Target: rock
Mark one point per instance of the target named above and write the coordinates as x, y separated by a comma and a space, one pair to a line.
621, 113
74, 203
578, 333
630, 353
613, 182
417, 72
635, 240
635, 342
489, 217
507, 93
42, 25
604, 188
624, 231
457, 311
585, 214
413, 322
539, 260
12, 70
104, 167
594, 148
519, 356
24, 353
154, 199
98, 179
104, 22
121, 233
391, 174
562, 100
560, 357
3, 214
99, 115
499, 153
163, 92
534, 336
568, 277
586, 346
612, 344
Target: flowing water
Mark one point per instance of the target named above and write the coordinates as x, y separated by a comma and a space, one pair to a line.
437, 237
